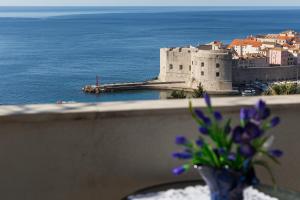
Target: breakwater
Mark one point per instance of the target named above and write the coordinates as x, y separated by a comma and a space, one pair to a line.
114, 87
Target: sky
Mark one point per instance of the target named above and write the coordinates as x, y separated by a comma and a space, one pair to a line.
149, 3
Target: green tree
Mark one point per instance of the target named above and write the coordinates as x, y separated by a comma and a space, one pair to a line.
199, 92
178, 94
282, 89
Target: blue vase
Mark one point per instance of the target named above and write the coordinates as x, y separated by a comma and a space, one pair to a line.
226, 184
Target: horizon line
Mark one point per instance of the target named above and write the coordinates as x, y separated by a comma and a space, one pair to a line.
223, 6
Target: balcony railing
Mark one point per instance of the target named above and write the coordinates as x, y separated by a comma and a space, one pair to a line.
107, 150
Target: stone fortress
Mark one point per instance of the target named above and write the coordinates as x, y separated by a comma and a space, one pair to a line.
264, 58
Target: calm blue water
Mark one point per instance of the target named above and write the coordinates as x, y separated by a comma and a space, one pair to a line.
48, 54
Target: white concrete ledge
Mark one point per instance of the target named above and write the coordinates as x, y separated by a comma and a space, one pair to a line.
123, 106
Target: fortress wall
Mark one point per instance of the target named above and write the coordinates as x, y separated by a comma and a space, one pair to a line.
264, 74
171, 61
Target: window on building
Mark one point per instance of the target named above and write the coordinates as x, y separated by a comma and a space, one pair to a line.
217, 74
190, 68
202, 73
217, 65
180, 67
170, 66
192, 62
202, 64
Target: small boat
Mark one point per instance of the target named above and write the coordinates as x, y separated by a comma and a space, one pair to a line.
248, 92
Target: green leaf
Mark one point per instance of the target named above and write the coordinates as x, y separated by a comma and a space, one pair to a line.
200, 161
211, 154
275, 160
269, 170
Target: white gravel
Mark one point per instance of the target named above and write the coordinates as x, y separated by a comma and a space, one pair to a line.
196, 193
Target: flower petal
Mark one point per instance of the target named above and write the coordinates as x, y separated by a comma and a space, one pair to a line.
253, 130
178, 170
203, 130
207, 100
218, 116
276, 153
181, 140
199, 142
244, 114
247, 150
183, 155
237, 134
199, 113
260, 105
275, 121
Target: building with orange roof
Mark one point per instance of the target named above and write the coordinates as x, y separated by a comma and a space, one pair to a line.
245, 46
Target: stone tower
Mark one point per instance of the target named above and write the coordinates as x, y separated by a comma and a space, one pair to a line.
194, 65
213, 68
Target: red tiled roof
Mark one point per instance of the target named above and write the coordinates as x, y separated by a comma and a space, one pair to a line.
245, 42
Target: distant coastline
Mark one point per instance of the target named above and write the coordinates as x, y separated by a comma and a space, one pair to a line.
57, 11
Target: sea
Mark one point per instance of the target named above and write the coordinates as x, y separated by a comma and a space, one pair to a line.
47, 54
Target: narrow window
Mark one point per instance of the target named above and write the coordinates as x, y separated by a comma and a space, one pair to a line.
192, 62
202, 73
202, 64
217, 65
217, 74
170, 66
190, 68
180, 67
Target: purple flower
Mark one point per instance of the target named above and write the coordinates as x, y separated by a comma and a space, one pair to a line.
252, 130
203, 130
276, 153
260, 105
245, 135
275, 121
181, 140
247, 150
207, 100
237, 134
262, 111
244, 114
207, 121
199, 142
183, 155
252, 112
179, 170
218, 116
232, 156
199, 113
